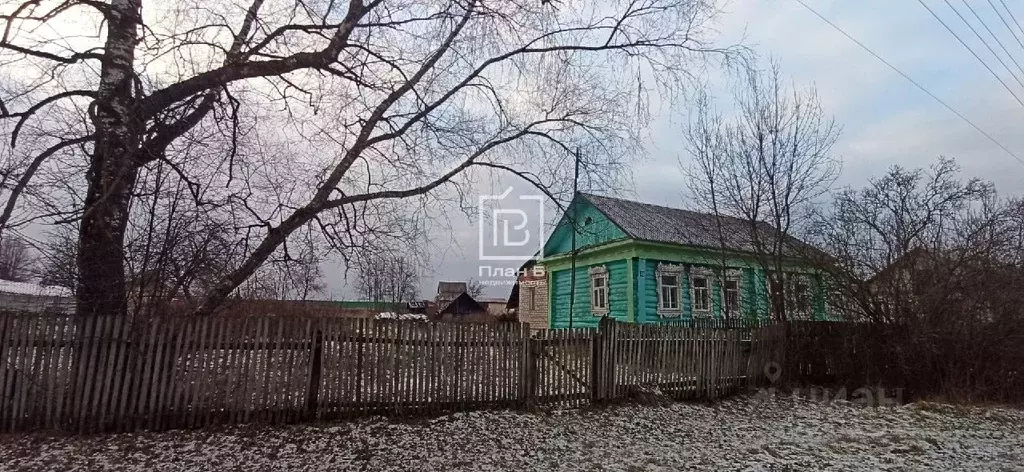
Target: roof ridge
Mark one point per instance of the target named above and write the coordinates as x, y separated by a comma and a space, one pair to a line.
655, 205
652, 222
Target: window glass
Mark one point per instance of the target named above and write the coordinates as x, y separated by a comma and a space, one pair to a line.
599, 292
801, 296
668, 293
732, 295
701, 296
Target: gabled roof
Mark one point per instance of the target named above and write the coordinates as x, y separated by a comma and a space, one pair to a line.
464, 300
451, 288
657, 223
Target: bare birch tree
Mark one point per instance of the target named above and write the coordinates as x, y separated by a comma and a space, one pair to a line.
388, 279
338, 117
764, 165
909, 225
17, 261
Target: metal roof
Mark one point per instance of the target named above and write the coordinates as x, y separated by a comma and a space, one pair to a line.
27, 288
673, 225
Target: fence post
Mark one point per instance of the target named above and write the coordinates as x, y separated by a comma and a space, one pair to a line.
598, 376
529, 381
524, 362
313, 391
595, 363
787, 362
360, 339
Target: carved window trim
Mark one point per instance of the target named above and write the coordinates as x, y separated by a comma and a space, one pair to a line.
733, 275
707, 275
670, 270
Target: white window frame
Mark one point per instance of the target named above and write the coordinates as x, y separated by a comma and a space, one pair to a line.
670, 270
708, 276
599, 272
734, 275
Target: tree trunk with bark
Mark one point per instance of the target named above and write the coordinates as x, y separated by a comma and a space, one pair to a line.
113, 169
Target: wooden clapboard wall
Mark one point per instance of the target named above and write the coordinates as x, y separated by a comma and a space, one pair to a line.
76, 374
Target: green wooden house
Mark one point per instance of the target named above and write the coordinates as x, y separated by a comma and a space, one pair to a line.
643, 263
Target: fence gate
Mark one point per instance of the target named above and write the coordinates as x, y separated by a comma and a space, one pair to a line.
562, 365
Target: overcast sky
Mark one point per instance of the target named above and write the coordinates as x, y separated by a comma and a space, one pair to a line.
885, 119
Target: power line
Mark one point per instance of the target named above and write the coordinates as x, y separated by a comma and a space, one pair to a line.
969, 49
919, 86
983, 41
1006, 23
1008, 11
1000, 43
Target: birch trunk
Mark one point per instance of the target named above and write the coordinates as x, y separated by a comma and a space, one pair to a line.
113, 169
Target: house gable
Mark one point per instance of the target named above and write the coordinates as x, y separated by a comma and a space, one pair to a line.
594, 229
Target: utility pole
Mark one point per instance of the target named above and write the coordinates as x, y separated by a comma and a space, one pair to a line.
575, 227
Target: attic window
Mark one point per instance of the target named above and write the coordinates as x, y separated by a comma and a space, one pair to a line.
587, 221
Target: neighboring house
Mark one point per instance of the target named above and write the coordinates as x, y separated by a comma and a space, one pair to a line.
453, 302
930, 282
529, 297
24, 296
417, 306
493, 306
643, 263
448, 291
462, 306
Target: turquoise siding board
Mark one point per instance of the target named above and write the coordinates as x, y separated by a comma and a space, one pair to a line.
618, 280
761, 291
635, 299
599, 231
633, 295
753, 303
753, 295
648, 298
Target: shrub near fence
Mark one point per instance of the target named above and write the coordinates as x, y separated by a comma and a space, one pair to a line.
104, 374
982, 362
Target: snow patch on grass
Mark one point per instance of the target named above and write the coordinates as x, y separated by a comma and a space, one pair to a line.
744, 433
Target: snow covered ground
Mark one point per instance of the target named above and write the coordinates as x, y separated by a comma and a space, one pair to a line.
744, 433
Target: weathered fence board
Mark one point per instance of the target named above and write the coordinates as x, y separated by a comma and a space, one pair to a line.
104, 373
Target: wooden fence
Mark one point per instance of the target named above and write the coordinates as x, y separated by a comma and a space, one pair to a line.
105, 374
